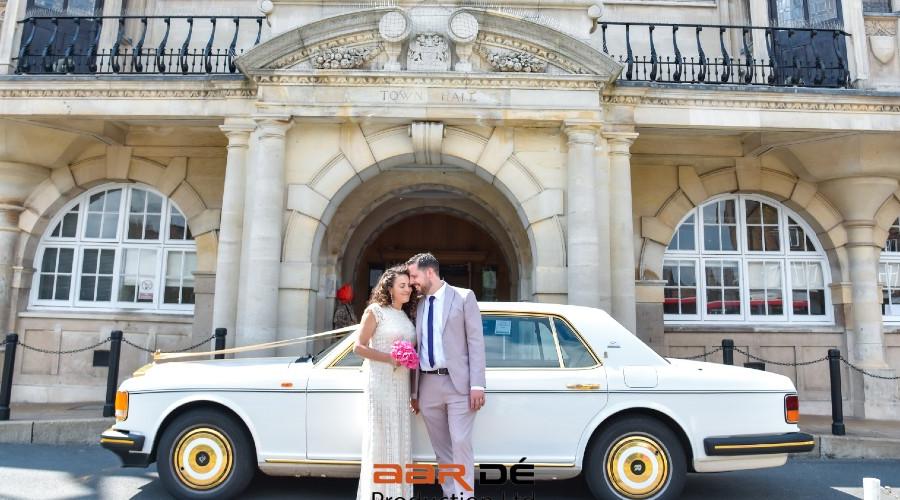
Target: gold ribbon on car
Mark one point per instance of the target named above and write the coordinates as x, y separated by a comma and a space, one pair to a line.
167, 356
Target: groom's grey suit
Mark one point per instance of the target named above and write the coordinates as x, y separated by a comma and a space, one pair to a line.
444, 399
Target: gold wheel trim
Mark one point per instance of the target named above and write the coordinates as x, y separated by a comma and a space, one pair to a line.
203, 458
637, 466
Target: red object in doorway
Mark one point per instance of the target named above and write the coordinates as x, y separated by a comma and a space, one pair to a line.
345, 293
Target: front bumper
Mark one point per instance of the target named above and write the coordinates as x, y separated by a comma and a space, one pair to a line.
127, 445
759, 444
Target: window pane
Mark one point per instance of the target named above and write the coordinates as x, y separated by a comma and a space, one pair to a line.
135, 227
92, 227
729, 238
893, 240
110, 225
113, 200
48, 263
683, 239
96, 204
66, 256
137, 283
574, 353
152, 228
138, 200
104, 288
45, 287
519, 342
723, 293
766, 293
107, 261
89, 261
711, 238
688, 301
154, 203
63, 285
87, 288
70, 224
755, 239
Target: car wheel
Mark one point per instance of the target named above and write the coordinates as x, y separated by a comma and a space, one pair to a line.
203, 454
636, 458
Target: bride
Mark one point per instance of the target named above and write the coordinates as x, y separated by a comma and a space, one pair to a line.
387, 431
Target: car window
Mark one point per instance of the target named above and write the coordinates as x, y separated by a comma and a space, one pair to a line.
574, 352
519, 342
349, 359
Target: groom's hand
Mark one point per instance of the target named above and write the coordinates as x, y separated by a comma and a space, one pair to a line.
414, 404
476, 399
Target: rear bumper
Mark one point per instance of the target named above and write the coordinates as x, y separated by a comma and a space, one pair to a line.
759, 444
127, 445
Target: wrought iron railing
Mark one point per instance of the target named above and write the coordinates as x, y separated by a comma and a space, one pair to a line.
186, 45
720, 54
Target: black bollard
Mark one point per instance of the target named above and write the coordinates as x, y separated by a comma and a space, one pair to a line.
837, 408
112, 377
12, 341
220, 341
728, 351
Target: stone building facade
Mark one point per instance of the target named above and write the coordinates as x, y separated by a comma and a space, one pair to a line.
166, 179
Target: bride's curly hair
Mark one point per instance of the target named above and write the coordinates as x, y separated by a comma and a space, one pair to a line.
381, 294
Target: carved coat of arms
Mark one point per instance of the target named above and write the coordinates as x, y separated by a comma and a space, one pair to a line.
428, 52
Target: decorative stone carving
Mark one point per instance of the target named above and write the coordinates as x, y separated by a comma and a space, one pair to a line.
514, 62
882, 35
463, 29
394, 28
343, 57
428, 142
428, 52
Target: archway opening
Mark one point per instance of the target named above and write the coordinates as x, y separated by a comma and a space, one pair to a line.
470, 256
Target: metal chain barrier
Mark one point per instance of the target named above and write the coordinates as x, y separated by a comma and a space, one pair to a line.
69, 351
705, 354
779, 363
151, 351
868, 374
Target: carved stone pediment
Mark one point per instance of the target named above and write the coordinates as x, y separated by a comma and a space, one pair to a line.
482, 44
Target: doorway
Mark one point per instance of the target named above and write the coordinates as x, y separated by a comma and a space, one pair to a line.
470, 257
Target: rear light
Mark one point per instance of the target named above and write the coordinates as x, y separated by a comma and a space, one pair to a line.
121, 406
791, 409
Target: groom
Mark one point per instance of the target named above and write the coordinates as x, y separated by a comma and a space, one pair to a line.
449, 386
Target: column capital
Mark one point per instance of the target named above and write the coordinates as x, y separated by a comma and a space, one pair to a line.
238, 131
581, 132
620, 142
273, 126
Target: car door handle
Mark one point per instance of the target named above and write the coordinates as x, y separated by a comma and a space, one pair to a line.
583, 387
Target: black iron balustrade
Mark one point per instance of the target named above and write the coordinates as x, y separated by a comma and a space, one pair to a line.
70, 44
728, 54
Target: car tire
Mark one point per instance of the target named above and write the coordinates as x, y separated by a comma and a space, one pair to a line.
636, 457
205, 453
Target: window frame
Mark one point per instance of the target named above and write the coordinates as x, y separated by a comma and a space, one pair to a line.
700, 256
119, 245
887, 258
551, 318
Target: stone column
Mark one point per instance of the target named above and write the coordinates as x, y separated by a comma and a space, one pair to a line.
10, 33
259, 322
621, 228
584, 269
858, 199
9, 236
228, 264
862, 256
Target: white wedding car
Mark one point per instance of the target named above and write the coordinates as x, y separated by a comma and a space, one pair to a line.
568, 388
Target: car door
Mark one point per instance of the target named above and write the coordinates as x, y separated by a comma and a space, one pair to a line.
336, 411
544, 385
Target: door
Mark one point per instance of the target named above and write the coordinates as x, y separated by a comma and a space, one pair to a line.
69, 40
543, 387
336, 412
801, 49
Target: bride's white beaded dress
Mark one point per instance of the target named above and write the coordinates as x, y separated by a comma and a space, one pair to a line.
387, 432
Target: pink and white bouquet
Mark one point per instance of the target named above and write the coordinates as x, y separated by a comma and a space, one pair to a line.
404, 352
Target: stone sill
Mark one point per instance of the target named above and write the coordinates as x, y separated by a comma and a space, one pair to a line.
161, 317
811, 329
731, 87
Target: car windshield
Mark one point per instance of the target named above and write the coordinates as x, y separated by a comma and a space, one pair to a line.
333, 342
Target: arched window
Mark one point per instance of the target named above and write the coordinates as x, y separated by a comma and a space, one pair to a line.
117, 247
744, 258
889, 274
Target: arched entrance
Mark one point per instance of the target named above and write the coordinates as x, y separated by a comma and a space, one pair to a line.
470, 257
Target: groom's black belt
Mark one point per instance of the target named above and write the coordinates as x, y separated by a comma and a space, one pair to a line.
439, 371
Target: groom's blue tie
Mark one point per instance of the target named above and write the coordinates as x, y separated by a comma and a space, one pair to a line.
431, 332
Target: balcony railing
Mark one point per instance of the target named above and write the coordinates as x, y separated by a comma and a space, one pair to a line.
184, 45
652, 52
727, 54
